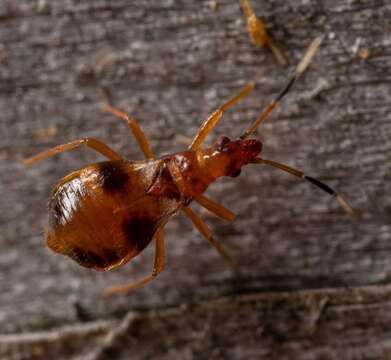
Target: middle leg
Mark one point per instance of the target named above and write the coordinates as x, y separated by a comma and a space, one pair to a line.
215, 208
204, 230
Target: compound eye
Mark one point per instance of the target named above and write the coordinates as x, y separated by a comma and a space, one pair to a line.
221, 141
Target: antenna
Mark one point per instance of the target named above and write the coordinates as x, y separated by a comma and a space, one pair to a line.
300, 68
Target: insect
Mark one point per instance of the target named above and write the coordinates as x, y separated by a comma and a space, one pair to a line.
258, 34
106, 213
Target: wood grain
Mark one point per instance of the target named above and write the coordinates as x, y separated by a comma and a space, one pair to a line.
170, 64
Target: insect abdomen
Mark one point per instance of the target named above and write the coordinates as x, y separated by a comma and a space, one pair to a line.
102, 216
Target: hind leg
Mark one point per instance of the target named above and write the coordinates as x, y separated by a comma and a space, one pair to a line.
157, 269
215, 208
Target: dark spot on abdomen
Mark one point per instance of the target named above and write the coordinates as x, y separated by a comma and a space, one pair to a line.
111, 256
88, 258
113, 176
139, 230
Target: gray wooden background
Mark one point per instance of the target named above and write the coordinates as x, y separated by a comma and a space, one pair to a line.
171, 63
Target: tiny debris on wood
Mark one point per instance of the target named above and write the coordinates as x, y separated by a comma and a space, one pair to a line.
258, 34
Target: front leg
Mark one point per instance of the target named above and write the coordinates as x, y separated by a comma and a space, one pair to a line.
210, 123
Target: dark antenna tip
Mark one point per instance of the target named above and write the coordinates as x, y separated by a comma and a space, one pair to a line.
341, 201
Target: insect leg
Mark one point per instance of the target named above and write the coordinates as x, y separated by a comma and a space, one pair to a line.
215, 208
92, 143
348, 209
159, 238
134, 126
204, 230
209, 124
157, 269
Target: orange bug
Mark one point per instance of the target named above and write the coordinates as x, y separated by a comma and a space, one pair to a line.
106, 213
258, 34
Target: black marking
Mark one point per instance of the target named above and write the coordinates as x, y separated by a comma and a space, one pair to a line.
286, 89
139, 230
79, 256
320, 185
221, 142
95, 259
112, 175
111, 256
87, 258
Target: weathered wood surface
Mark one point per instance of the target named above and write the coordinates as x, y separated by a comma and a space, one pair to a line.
171, 63
322, 324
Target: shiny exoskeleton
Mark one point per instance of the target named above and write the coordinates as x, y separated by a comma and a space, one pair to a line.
106, 213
